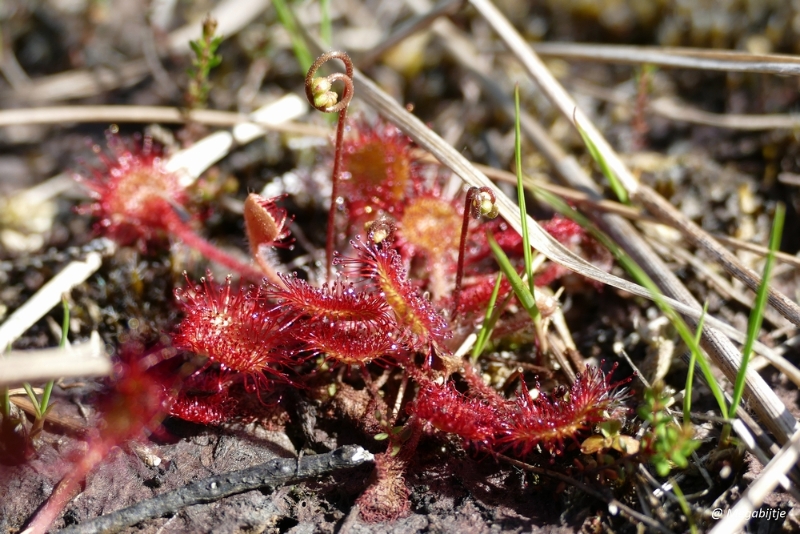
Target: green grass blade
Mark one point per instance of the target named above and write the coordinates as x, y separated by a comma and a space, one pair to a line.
34, 400
520, 289
325, 31
48, 388
489, 320
757, 313
6, 407
616, 185
687, 397
684, 504
64, 322
644, 280
523, 211
286, 18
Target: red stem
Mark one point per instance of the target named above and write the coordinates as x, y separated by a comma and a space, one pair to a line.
341, 108
66, 489
337, 164
188, 236
480, 201
469, 212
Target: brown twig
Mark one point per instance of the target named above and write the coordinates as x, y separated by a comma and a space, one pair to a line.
272, 473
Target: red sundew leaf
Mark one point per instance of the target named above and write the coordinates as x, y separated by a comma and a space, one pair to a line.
352, 343
139, 202
479, 250
550, 273
432, 225
237, 330
206, 395
473, 419
206, 409
336, 302
377, 169
265, 222
550, 421
572, 235
566, 231
386, 499
484, 418
134, 194
382, 266
476, 293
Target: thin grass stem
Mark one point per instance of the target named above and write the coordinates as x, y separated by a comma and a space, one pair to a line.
757, 313
693, 356
526, 242
286, 18
489, 320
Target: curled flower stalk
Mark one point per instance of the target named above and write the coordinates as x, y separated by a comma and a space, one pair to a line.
480, 202
320, 95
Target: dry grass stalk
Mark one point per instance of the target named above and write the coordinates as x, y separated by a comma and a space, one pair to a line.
146, 114
676, 110
80, 360
683, 58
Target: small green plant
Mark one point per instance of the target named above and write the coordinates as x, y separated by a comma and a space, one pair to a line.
666, 443
524, 292
757, 313
287, 20
205, 59
42, 407
489, 320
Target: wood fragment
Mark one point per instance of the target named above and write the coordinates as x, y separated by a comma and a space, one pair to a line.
273, 473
